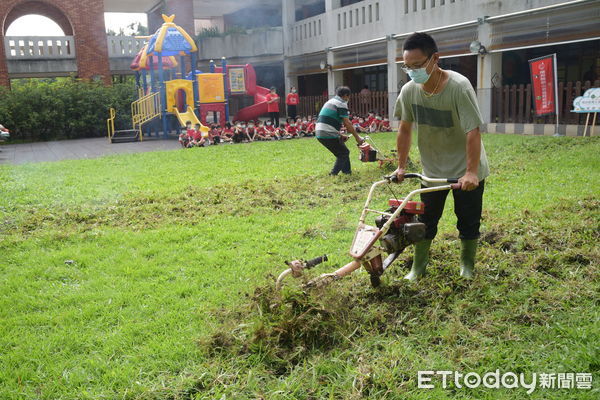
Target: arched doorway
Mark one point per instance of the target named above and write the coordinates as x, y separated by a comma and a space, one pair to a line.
84, 31
21, 26
39, 8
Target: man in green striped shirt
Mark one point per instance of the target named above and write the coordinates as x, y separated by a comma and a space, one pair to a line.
333, 115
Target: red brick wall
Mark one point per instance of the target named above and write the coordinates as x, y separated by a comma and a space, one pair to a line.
86, 21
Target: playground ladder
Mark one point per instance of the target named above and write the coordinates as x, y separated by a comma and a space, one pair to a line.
145, 109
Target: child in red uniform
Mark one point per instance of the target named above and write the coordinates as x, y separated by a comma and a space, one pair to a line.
299, 129
261, 133
290, 129
310, 128
197, 139
273, 106
272, 131
292, 101
359, 126
237, 133
227, 135
184, 136
215, 134
370, 117
251, 131
375, 124
385, 125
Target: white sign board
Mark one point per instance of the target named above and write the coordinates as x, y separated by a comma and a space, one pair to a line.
588, 103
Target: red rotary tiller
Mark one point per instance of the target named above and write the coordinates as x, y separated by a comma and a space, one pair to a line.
376, 247
370, 152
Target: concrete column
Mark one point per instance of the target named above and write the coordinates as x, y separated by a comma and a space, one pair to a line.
4, 80
334, 78
184, 14
392, 70
290, 79
330, 20
288, 17
488, 66
154, 20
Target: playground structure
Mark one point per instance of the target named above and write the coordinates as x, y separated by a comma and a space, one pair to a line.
167, 92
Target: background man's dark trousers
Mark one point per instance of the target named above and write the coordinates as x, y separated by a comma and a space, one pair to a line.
292, 111
342, 155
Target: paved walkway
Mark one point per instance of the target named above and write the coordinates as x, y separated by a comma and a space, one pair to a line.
77, 149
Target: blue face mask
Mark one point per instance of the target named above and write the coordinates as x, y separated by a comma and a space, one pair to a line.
419, 75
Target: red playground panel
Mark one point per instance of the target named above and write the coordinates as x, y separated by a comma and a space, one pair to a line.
207, 108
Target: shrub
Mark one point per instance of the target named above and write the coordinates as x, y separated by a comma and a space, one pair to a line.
37, 110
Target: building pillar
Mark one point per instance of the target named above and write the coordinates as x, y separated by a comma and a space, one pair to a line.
334, 78
91, 45
332, 4
329, 19
489, 70
392, 70
184, 14
290, 79
4, 80
154, 19
288, 16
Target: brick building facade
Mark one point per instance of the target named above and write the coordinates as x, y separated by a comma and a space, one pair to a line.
84, 19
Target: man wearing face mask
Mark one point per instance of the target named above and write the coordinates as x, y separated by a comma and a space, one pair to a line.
292, 101
442, 106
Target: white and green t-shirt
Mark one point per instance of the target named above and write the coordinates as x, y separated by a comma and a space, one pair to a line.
442, 122
330, 118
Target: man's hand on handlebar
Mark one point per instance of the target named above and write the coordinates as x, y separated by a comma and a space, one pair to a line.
399, 172
469, 181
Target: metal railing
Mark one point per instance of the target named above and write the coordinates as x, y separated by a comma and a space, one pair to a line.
144, 110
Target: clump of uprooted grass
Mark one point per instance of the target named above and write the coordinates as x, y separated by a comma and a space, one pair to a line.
528, 271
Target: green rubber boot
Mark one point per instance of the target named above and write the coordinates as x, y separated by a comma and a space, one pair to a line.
420, 260
468, 250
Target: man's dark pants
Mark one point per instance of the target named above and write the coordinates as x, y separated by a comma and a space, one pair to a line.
467, 207
274, 117
292, 111
341, 153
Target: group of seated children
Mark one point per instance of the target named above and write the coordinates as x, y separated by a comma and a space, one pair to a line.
301, 127
372, 123
240, 132
258, 130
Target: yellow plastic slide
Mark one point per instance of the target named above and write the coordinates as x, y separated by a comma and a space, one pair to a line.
189, 115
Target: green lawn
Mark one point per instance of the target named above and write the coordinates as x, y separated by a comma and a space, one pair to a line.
149, 276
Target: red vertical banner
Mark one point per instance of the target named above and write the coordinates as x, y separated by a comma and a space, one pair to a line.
542, 81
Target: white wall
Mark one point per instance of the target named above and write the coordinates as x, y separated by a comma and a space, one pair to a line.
394, 18
254, 44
